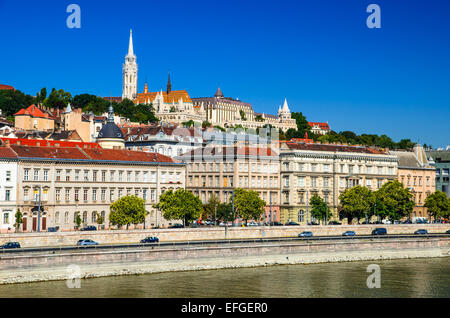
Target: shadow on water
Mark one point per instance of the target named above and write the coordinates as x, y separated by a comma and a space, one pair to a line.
399, 278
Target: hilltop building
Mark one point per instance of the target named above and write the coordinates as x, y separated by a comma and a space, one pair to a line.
129, 73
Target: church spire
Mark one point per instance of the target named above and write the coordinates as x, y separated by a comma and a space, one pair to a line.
130, 45
169, 85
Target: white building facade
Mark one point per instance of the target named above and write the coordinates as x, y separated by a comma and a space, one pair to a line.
129, 73
8, 194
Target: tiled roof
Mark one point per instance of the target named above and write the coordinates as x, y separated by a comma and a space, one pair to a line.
406, 159
34, 111
126, 155
76, 153
172, 97
321, 125
6, 87
333, 148
152, 130
49, 143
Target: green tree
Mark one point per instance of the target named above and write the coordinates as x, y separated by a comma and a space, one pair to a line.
210, 208
78, 220
259, 118
248, 204
58, 99
13, 101
180, 205
189, 123
225, 212
302, 123
206, 124
319, 208
394, 201
242, 113
438, 205
127, 210
356, 203
19, 220
172, 109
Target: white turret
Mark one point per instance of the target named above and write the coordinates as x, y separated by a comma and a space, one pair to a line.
129, 73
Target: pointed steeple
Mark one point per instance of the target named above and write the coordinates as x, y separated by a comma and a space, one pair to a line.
169, 85
110, 113
130, 45
68, 109
218, 93
286, 107
145, 88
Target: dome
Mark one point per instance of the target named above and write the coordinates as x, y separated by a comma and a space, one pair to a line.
110, 130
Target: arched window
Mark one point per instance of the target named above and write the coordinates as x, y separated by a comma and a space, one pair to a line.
57, 217
169, 151
94, 217
161, 150
84, 216
301, 216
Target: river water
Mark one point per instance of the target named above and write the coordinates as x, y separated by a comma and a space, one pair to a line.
399, 278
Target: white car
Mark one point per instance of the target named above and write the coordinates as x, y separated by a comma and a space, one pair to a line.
386, 222
252, 223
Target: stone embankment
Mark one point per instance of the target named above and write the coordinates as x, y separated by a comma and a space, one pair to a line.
29, 268
206, 233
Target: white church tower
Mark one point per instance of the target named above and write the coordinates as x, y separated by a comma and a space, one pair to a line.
130, 69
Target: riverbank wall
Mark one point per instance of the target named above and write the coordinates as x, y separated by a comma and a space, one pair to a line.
33, 268
206, 233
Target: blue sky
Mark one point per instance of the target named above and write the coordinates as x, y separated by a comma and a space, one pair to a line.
318, 54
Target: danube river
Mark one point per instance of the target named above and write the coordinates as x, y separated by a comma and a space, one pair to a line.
399, 278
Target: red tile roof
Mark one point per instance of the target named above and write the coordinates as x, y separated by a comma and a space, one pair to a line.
76, 153
172, 97
49, 143
33, 111
231, 151
6, 87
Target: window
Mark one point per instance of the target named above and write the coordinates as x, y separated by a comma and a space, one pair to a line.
301, 216
8, 175
66, 217
111, 176
120, 193
94, 217
380, 183
76, 194
111, 195
77, 175
26, 174
144, 194
94, 175
152, 195
314, 167
145, 174
67, 194
103, 176
286, 181
25, 194
6, 218
326, 168
326, 182
368, 183
153, 176
36, 175
128, 176
380, 170
58, 194
301, 197
301, 181
86, 175
7, 195
57, 217
313, 181
67, 175
94, 195
85, 217
103, 195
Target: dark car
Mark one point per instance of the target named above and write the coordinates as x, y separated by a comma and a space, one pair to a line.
334, 223
176, 226
150, 239
313, 223
10, 245
276, 224
86, 242
407, 222
53, 229
379, 231
448, 232
305, 234
421, 231
349, 233
89, 228
291, 223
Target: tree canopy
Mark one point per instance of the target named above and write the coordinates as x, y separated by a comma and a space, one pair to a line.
394, 201
180, 205
356, 203
248, 204
127, 210
319, 208
438, 205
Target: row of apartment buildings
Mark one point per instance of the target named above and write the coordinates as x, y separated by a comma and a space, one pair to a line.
75, 180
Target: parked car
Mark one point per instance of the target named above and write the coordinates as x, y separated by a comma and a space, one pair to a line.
275, 224
386, 221
305, 234
176, 226
53, 229
150, 239
421, 231
313, 223
86, 242
10, 245
208, 222
407, 222
334, 223
224, 224
379, 231
252, 223
448, 232
291, 223
89, 228
349, 233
